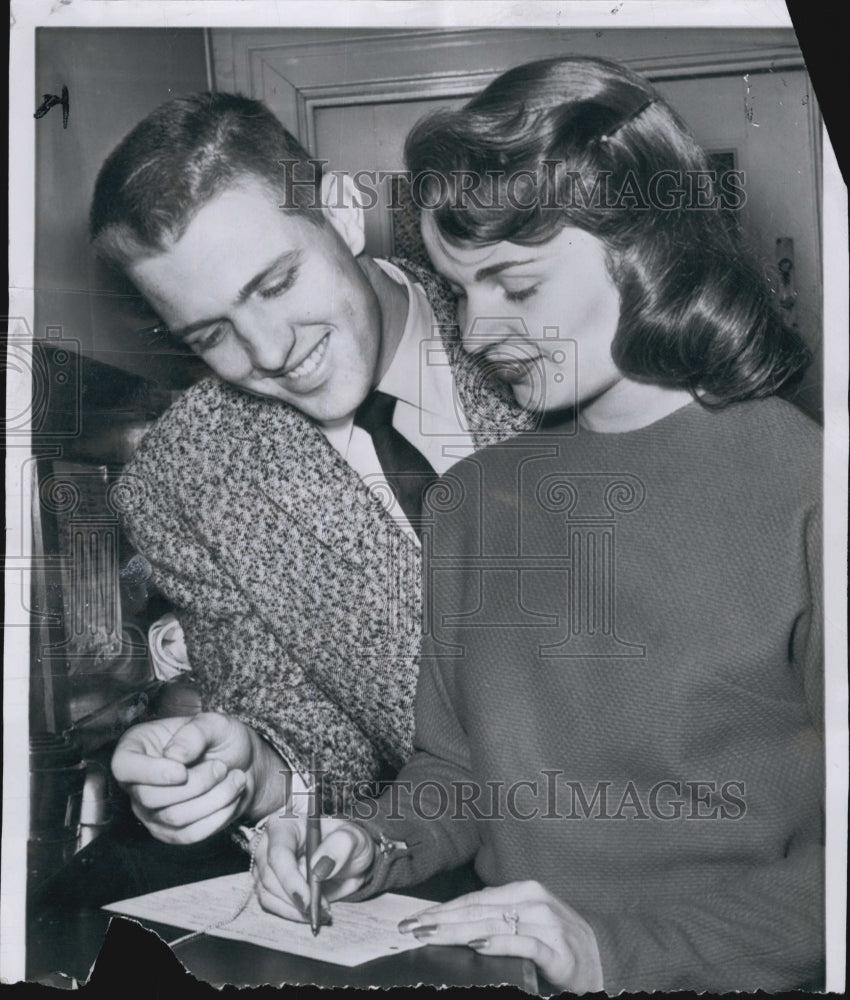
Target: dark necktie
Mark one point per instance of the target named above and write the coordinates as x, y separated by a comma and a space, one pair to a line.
405, 467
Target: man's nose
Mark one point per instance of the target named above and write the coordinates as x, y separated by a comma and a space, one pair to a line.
268, 345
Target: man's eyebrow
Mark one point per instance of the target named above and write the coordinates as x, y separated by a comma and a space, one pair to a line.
287, 259
493, 269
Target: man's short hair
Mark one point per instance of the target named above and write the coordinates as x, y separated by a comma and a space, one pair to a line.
183, 154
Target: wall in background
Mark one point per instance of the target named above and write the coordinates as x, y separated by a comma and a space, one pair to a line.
115, 77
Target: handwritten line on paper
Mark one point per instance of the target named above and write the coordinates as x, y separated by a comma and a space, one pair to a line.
360, 932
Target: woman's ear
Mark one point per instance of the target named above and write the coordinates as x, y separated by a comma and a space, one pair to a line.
342, 209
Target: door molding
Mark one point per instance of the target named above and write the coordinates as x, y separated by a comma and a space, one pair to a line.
296, 73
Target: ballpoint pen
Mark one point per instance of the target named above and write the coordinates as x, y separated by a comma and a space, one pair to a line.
313, 840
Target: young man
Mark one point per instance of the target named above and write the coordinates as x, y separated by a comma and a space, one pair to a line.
298, 590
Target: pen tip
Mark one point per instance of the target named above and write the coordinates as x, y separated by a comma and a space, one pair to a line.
315, 930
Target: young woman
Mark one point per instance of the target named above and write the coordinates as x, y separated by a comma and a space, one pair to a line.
620, 700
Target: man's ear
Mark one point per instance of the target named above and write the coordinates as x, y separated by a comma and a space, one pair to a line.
341, 207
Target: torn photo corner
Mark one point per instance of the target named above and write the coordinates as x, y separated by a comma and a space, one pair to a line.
581, 568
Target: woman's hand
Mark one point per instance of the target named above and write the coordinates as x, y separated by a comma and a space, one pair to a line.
342, 863
521, 919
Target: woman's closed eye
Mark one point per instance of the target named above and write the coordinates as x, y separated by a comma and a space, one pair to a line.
521, 294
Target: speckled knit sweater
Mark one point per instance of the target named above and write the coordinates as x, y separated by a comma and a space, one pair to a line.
298, 595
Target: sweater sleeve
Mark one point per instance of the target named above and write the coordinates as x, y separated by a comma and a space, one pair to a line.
420, 822
758, 929
239, 665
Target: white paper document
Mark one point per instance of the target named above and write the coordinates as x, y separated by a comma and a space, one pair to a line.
360, 932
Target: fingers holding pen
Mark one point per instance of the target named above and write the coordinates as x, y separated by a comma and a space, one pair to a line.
286, 902
280, 872
344, 858
340, 865
277, 893
282, 887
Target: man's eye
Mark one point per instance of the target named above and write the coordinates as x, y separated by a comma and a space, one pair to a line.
210, 339
521, 295
279, 287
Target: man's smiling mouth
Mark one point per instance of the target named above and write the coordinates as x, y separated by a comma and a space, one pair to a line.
309, 365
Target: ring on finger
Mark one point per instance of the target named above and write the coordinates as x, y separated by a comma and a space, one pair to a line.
511, 918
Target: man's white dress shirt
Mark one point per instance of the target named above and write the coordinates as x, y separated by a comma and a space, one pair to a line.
427, 411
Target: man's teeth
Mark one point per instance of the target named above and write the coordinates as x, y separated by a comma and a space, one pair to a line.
311, 362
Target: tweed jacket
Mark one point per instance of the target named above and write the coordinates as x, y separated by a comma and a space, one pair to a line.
298, 594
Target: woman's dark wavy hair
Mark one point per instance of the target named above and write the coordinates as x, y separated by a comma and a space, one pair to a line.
695, 311
182, 154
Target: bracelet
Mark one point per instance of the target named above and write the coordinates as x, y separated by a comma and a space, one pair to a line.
247, 837
387, 846
256, 835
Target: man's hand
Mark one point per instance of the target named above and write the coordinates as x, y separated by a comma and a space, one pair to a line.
343, 862
522, 919
188, 777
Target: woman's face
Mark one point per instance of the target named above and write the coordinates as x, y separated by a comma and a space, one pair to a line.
541, 318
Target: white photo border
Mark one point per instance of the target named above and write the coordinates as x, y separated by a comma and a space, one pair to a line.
28, 15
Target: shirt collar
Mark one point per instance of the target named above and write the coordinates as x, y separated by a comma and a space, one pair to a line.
409, 376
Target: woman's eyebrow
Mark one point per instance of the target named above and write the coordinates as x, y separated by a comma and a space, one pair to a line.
492, 269
287, 259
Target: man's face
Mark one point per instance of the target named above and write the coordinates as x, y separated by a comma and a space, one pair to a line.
273, 303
